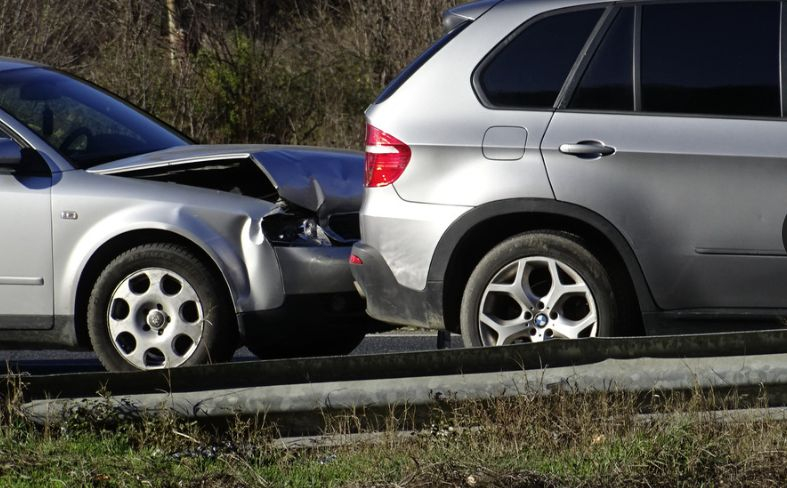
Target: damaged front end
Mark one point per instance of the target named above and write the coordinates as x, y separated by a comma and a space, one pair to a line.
290, 226
312, 198
316, 193
320, 196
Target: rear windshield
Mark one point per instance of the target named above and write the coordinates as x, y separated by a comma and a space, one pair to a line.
418, 62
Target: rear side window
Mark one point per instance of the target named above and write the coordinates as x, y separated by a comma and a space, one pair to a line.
608, 82
529, 70
711, 58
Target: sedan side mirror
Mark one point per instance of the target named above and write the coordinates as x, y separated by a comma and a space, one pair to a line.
10, 156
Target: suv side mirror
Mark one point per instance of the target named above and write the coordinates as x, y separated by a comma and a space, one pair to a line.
10, 156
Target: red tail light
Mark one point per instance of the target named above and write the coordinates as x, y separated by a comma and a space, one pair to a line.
386, 157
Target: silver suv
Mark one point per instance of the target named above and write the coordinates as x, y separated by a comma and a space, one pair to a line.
564, 169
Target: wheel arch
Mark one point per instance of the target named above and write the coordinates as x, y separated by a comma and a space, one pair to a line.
120, 243
475, 233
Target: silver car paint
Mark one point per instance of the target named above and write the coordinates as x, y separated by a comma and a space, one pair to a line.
26, 284
707, 195
30, 254
225, 226
80, 211
444, 124
717, 258
405, 233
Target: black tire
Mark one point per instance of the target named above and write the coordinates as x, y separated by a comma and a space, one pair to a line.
219, 336
307, 341
563, 248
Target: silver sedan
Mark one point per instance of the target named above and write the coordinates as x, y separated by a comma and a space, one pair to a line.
122, 235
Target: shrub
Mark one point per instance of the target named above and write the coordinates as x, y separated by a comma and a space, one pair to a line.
288, 72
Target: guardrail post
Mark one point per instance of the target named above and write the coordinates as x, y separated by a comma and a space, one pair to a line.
443, 339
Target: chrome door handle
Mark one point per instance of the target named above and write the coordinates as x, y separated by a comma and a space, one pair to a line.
588, 149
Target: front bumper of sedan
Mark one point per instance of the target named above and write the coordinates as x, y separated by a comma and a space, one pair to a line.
308, 270
318, 288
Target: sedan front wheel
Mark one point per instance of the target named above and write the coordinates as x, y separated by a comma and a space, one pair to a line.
159, 306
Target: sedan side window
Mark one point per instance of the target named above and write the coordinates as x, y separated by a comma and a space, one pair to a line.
529, 70
711, 58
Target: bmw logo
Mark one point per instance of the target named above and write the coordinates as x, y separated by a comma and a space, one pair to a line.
541, 320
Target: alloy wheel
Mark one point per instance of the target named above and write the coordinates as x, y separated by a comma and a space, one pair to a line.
534, 299
155, 319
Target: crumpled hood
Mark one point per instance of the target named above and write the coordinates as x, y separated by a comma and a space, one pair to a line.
324, 181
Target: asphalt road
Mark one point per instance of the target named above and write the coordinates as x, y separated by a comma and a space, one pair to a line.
396, 341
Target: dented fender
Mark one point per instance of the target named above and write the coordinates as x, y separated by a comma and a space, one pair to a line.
225, 226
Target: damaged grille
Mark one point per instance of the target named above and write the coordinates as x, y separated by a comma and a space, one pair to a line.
300, 229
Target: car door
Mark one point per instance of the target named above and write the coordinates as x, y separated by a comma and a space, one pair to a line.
26, 289
674, 133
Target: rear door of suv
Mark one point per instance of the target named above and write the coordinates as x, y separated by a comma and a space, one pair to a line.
673, 130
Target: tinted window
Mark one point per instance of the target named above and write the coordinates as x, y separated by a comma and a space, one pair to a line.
85, 124
608, 82
711, 58
530, 70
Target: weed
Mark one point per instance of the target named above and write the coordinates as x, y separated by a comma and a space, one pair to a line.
565, 438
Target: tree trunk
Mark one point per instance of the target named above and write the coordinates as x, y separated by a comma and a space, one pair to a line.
175, 42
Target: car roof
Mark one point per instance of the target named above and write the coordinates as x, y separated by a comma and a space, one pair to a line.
7, 64
474, 9
475, 5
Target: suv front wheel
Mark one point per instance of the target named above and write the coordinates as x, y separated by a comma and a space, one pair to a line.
534, 287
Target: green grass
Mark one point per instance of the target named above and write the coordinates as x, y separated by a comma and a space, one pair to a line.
560, 440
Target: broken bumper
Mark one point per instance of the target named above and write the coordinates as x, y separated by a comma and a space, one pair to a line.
311, 270
318, 290
389, 301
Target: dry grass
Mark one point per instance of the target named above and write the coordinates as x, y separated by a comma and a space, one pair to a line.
564, 439
299, 72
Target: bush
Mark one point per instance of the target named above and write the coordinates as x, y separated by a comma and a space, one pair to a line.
294, 72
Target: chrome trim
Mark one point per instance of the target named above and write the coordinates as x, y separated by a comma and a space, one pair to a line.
21, 280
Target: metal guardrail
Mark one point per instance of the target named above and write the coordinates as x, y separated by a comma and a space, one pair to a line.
516, 358
299, 409
295, 394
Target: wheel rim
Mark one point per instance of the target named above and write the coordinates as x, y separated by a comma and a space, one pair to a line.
535, 299
155, 319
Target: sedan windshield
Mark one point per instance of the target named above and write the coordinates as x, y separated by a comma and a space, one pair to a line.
85, 124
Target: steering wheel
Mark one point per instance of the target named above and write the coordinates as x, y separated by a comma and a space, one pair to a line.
73, 136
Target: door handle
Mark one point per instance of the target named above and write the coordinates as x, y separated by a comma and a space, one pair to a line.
588, 149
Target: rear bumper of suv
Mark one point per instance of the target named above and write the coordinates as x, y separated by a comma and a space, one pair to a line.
389, 301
